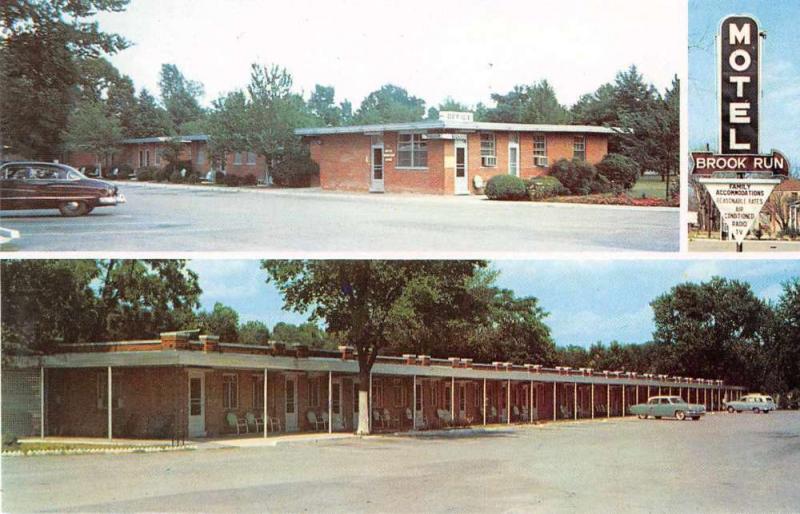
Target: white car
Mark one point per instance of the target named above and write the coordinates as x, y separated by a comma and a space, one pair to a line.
756, 403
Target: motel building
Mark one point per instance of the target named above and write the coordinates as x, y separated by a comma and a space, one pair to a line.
451, 155
185, 385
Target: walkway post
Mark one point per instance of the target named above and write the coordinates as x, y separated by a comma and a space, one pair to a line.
41, 402
266, 412
575, 400
608, 400
453, 399
330, 402
414, 406
648, 392
592, 400
555, 384
110, 404
484, 402
508, 402
637, 393
705, 396
369, 401
530, 404
623, 400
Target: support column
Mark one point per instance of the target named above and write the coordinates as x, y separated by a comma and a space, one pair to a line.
575, 400
266, 411
110, 404
637, 393
414, 406
369, 401
648, 392
555, 397
623, 400
705, 397
508, 402
608, 400
530, 404
453, 399
330, 402
484, 402
659, 390
592, 400
41, 402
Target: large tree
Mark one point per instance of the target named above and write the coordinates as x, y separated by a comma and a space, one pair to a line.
389, 104
321, 104
43, 43
181, 96
150, 120
782, 349
535, 103
254, 332
222, 321
90, 129
366, 302
307, 333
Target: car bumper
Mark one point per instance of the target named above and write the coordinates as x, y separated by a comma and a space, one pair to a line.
112, 200
695, 413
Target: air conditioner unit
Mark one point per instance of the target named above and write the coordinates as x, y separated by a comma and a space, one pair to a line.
540, 160
488, 161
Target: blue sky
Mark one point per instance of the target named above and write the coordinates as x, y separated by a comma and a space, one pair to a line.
780, 76
588, 300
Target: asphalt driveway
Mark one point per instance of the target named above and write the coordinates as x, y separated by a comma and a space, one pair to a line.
312, 222
723, 463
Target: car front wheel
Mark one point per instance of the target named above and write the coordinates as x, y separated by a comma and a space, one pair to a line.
72, 209
642, 416
731, 410
756, 410
695, 418
680, 415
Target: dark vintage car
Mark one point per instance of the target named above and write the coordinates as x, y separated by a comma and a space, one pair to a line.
44, 185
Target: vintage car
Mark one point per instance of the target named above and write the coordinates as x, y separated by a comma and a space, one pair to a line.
43, 185
757, 403
667, 407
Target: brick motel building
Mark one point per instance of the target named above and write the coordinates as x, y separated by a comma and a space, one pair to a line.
451, 155
148, 152
188, 385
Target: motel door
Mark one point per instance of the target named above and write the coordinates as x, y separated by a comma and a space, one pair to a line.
197, 404
376, 176
291, 404
355, 404
420, 416
336, 404
462, 175
513, 154
462, 401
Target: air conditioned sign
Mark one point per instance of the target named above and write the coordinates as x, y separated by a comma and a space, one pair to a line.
739, 77
739, 201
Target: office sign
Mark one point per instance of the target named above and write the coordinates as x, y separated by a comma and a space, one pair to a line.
739, 84
707, 163
739, 201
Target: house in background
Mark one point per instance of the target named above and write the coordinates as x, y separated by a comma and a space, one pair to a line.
782, 209
148, 152
451, 155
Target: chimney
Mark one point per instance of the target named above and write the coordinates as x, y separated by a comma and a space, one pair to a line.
425, 360
347, 352
278, 348
175, 340
210, 343
409, 358
467, 363
454, 361
497, 365
300, 351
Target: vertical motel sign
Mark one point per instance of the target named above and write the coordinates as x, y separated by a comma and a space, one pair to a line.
739, 199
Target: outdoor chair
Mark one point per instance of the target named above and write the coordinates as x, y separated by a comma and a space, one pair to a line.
515, 416
376, 418
253, 420
235, 422
389, 421
274, 424
325, 419
492, 413
525, 414
311, 416
565, 412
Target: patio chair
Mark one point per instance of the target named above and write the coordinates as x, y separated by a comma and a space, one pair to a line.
525, 414
389, 421
325, 420
376, 418
311, 416
255, 421
565, 412
235, 422
493, 413
274, 424
515, 416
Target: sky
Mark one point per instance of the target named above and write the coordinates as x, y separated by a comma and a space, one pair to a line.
588, 300
466, 50
780, 75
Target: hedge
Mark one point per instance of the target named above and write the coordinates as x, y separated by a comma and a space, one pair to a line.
506, 187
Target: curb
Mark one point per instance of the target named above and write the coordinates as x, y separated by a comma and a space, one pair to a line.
84, 451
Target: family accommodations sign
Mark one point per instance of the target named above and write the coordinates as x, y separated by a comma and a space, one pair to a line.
739, 199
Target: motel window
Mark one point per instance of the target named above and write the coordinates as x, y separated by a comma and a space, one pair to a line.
251, 157
230, 391
476, 396
147, 157
488, 150
141, 158
419, 397
237, 158
158, 157
447, 398
201, 156
462, 398
313, 392
539, 150
356, 399
101, 390
258, 392
377, 394
579, 148
412, 151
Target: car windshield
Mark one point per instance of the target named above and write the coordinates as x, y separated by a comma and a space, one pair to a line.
676, 399
769, 399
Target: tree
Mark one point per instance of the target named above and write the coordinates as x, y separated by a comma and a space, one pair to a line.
322, 106
222, 321
389, 104
42, 45
180, 95
151, 120
121, 104
366, 302
307, 333
782, 348
598, 108
228, 125
711, 329
536, 103
254, 332
91, 130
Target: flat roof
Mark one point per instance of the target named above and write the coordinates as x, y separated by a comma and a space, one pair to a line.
164, 139
455, 125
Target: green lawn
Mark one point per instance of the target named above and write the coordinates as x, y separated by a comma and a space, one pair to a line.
650, 187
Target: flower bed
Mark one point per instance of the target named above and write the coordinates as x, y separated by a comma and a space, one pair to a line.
621, 199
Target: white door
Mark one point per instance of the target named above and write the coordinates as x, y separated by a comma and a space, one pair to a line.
336, 405
376, 168
291, 404
419, 407
355, 404
513, 155
462, 401
197, 404
462, 173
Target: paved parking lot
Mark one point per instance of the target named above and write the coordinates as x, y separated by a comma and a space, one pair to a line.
308, 221
723, 463
715, 245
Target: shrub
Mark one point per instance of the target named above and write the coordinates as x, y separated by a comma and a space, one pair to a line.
506, 187
146, 173
191, 178
791, 233
576, 176
600, 184
219, 177
619, 170
540, 188
295, 170
176, 177
232, 180
249, 180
